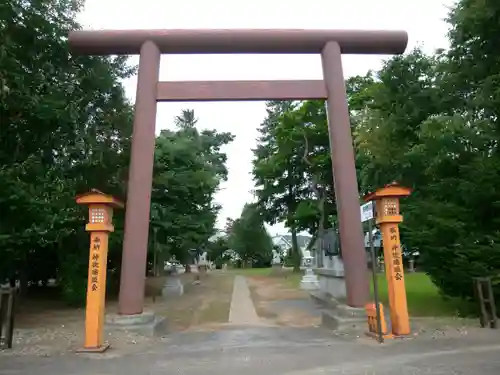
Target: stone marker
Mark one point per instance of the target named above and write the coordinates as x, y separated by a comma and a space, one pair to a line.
309, 280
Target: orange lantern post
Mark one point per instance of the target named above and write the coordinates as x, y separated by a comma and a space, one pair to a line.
373, 329
99, 225
388, 217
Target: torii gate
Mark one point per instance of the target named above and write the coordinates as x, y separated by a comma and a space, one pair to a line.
150, 44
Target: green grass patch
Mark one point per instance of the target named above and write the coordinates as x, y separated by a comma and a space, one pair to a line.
291, 278
423, 297
287, 274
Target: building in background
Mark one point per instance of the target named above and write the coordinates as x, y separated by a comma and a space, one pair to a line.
284, 243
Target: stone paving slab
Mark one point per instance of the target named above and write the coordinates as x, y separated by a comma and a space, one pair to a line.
242, 311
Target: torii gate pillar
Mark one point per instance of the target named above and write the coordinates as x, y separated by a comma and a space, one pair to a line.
149, 44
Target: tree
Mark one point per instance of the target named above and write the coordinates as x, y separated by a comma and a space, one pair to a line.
189, 167
293, 168
66, 127
278, 170
431, 123
217, 249
470, 166
427, 121
250, 239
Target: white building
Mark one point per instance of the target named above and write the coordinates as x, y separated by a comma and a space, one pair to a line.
284, 243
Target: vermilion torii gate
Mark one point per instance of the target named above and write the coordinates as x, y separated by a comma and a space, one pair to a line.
150, 44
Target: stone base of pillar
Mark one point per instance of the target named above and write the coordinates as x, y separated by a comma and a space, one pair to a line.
345, 318
339, 317
309, 280
146, 324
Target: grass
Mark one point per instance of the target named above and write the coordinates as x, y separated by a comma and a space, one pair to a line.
423, 297
217, 309
291, 278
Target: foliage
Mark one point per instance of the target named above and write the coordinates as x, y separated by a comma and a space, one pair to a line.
250, 239
434, 108
65, 127
217, 249
189, 167
430, 122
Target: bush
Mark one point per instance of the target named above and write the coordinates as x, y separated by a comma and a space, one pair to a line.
452, 269
73, 280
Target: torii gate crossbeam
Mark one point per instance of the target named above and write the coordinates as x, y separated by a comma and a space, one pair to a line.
150, 44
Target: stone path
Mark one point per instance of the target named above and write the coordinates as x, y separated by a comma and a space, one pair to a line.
242, 311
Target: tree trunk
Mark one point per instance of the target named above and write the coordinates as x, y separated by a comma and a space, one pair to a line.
160, 264
155, 258
296, 253
321, 198
23, 282
187, 268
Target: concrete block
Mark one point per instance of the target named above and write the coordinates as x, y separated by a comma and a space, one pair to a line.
147, 324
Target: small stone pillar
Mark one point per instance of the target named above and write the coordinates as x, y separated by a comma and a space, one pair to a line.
309, 280
173, 285
381, 266
411, 265
276, 265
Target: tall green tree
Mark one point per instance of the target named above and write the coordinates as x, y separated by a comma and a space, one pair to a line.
426, 121
432, 124
250, 239
278, 170
65, 127
189, 167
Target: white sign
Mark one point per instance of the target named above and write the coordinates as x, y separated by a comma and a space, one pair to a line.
366, 211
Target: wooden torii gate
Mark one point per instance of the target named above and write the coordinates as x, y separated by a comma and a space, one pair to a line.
150, 44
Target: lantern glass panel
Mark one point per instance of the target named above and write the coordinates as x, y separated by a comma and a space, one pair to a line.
97, 215
391, 207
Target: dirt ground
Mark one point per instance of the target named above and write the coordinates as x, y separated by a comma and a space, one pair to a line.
203, 304
46, 327
279, 301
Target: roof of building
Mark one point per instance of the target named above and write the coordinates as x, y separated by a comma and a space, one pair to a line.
302, 240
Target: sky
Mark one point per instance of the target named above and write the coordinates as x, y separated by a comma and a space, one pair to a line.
423, 20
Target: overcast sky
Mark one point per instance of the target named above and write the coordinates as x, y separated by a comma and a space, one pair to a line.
423, 20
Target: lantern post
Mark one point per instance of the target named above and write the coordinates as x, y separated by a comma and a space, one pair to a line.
99, 226
388, 218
